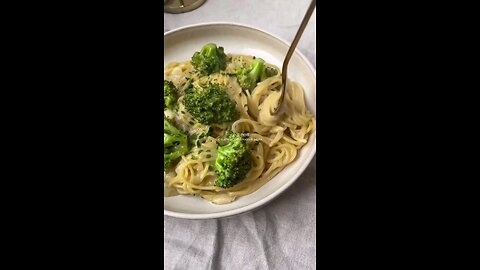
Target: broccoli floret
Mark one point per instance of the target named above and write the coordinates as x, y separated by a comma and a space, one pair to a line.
255, 73
210, 105
170, 95
233, 161
210, 59
249, 77
175, 144
269, 72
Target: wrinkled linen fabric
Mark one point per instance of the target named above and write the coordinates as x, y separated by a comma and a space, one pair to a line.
281, 235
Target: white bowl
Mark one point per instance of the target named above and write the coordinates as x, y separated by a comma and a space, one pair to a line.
180, 45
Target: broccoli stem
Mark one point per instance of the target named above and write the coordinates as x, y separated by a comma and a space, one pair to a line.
257, 69
210, 50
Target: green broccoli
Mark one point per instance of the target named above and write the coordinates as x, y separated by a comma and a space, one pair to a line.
170, 95
269, 72
210, 104
255, 73
210, 59
175, 144
233, 161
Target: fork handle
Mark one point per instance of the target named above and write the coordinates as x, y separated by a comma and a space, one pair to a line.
292, 48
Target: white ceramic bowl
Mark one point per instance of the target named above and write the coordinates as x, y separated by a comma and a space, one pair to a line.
180, 45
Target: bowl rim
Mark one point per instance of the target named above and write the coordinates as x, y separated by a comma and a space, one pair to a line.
264, 201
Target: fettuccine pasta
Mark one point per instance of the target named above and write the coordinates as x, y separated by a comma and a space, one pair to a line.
274, 140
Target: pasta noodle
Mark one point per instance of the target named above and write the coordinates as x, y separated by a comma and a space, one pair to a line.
274, 140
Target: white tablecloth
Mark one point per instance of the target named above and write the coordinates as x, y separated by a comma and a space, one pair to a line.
282, 234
